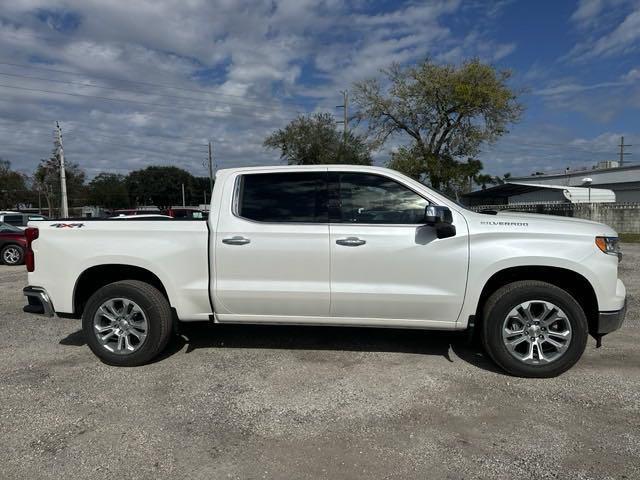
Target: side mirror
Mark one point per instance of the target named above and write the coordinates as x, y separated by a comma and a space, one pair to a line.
436, 214
441, 218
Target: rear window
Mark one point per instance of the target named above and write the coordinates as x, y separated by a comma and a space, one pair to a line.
14, 219
299, 197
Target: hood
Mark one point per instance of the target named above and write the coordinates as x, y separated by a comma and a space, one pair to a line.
539, 223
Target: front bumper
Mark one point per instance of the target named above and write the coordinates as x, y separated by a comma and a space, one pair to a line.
611, 321
39, 301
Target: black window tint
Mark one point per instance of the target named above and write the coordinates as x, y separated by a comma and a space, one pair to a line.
366, 198
13, 219
284, 197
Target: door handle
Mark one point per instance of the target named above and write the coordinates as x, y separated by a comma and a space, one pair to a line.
351, 241
236, 240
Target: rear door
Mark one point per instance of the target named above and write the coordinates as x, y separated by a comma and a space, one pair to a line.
385, 263
272, 247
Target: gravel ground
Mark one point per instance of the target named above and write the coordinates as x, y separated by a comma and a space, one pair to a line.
305, 402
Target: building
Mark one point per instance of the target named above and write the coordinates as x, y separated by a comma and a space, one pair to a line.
624, 181
518, 193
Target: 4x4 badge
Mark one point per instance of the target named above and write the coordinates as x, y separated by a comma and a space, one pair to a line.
67, 225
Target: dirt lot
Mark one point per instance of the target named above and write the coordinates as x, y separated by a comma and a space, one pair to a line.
276, 402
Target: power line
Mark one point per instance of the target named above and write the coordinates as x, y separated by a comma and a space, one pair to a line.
181, 97
195, 141
138, 102
107, 140
151, 84
160, 152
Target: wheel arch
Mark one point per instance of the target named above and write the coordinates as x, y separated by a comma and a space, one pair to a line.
569, 280
97, 276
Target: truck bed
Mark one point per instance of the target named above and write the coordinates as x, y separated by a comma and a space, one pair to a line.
176, 251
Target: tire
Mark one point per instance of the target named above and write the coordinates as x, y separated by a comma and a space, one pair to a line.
530, 302
153, 324
12, 254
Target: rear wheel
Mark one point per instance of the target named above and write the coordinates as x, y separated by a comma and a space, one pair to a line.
534, 329
127, 323
12, 254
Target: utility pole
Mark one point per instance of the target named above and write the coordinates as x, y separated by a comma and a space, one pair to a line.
210, 168
183, 201
345, 121
622, 152
64, 206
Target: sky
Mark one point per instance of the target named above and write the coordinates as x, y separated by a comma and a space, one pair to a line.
150, 82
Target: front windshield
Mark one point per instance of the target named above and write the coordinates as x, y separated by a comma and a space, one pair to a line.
6, 228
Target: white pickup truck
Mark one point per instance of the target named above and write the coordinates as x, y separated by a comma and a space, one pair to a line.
333, 245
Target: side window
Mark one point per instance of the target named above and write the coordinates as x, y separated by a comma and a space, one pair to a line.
367, 198
13, 219
284, 197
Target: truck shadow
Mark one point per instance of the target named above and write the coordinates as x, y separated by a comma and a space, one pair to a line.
193, 336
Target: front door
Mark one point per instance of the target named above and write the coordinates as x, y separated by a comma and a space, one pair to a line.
272, 249
385, 263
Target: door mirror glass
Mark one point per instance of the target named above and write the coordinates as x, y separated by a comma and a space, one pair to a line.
435, 215
441, 218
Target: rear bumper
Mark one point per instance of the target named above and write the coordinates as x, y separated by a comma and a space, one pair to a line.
611, 321
38, 301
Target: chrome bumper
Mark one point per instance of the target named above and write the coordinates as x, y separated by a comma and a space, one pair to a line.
39, 301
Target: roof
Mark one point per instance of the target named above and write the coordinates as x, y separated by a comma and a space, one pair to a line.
573, 194
623, 170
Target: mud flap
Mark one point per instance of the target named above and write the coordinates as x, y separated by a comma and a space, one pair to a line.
598, 337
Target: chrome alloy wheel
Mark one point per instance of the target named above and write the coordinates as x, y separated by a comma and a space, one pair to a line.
11, 256
120, 325
536, 332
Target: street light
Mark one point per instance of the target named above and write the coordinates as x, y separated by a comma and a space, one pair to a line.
587, 182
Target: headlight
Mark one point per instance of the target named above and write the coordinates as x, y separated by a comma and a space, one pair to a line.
609, 245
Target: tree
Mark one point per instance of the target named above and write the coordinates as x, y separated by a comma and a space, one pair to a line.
108, 190
315, 139
47, 181
200, 189
159, 186
447, 112
13, 188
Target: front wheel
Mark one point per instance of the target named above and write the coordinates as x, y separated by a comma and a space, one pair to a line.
534, 329
127, 323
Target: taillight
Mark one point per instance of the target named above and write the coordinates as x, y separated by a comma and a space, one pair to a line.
29, 258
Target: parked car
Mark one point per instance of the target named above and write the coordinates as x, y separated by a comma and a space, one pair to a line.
18, 219
193, 213
133, 211
13, 244
334, 245
145, 216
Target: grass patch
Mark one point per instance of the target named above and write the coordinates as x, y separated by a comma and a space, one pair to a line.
630, 237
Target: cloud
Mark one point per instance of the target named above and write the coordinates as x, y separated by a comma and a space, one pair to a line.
615, 25
587, 12
601, 101
548, 148
227, 70
152, 81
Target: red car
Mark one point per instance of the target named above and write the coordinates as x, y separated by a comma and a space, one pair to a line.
13, 244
